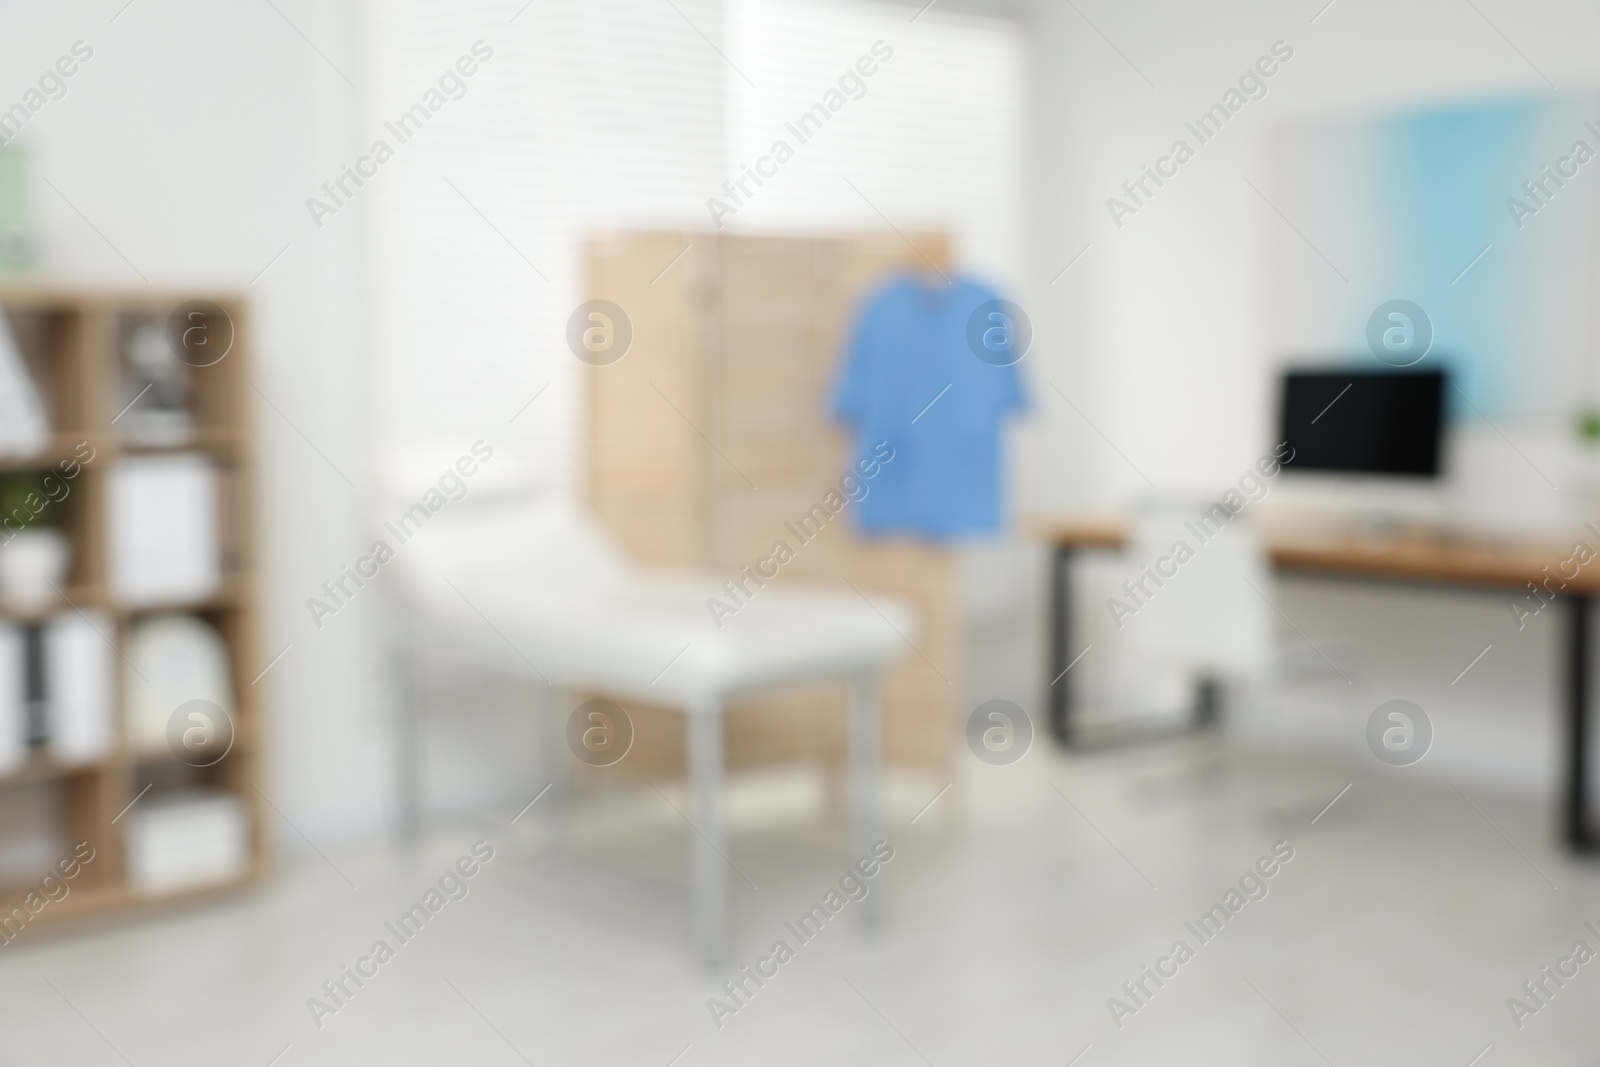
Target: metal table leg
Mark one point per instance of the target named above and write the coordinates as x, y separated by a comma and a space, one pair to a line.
708, 874
1060, 687
1579, 831
552, 727
409, 692
865, 815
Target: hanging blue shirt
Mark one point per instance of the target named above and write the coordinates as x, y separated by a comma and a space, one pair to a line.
912, 377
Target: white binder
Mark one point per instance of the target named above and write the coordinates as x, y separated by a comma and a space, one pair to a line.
13, 700
79, 681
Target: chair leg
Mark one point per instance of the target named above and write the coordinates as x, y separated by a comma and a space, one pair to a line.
865, 817
408, 688
709, 845
552, 729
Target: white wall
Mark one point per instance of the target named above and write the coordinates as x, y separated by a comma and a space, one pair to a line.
933, 142
190, 141
589, 116
1156, 334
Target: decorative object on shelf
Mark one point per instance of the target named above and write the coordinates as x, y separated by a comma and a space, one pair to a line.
165, 543
35, 553
33, 566
155, 386
172, 659
20, 246
80, 686
188, 839
24, 426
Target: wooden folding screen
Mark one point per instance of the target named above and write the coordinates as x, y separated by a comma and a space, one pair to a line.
712, 432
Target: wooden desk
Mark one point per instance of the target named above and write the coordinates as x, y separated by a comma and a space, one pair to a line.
1424, 558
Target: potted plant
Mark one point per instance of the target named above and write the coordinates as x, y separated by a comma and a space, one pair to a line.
34, 550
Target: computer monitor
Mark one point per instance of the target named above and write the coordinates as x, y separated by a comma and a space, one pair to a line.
1360, 422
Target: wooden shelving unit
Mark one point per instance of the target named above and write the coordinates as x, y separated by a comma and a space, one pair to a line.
70, 339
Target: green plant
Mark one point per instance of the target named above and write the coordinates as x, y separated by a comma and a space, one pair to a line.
25, 499
1589, 426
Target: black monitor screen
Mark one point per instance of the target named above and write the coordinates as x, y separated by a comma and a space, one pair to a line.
1363, 423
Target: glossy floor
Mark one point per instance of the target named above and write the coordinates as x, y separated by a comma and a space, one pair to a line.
1018, 905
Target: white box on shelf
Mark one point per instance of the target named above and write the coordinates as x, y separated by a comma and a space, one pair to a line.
79, 686
32, 837
186, 840
13, 699
165, 544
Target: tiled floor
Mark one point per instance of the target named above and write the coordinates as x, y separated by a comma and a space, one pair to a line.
1017, 906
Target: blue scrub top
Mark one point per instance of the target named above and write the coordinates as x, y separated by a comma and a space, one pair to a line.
910, 377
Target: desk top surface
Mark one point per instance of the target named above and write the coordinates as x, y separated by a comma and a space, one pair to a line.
1416, 554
